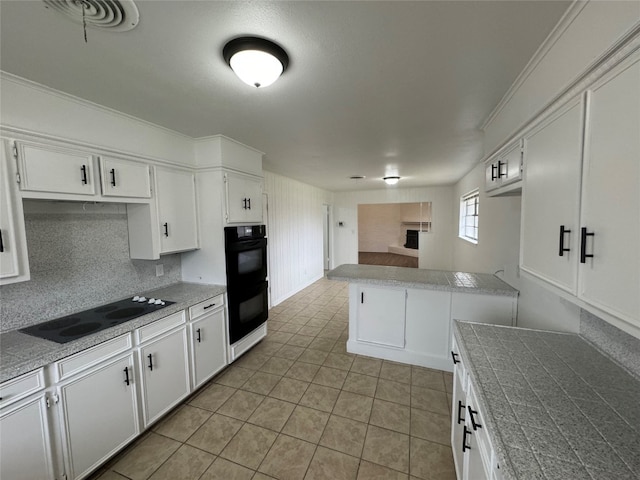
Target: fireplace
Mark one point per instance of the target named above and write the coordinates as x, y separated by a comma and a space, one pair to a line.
412, 239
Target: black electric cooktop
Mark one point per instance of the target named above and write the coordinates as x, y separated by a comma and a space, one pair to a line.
77, 325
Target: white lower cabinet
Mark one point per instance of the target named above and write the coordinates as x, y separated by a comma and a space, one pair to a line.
98, 400
428, 313
208, 340
413, 325
25, 446
164, 369
473, 455
381, 316
99, 414
458, 412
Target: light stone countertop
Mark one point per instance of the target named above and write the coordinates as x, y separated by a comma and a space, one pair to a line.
556, 407
21, 353
464, 282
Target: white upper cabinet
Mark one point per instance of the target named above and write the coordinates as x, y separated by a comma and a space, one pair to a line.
177, 217
610, 256
14, 261
581, 198
124, 178
168, 223
551, 198
505, 169
243, 198
56, 170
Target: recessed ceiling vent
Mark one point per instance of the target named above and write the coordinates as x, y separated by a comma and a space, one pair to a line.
113, 15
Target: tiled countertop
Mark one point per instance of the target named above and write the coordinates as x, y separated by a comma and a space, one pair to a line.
21, 353
484, 283
555, 406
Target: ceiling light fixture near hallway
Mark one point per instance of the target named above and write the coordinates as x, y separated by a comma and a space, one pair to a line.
391, 180
114, 15
256, 61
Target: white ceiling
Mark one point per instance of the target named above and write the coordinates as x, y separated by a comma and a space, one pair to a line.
373, 88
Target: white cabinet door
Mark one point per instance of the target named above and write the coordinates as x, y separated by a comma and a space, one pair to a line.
510, 165
551, 199
164, 373
14, 261
458, 413
124, 178
100, 414
381, 316
208, 346
55, 170
428, 323
504, 168
25, 448
244, 198
491, 176
610, 280
477, 457
176, 197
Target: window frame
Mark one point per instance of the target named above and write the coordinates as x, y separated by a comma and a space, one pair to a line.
464, 224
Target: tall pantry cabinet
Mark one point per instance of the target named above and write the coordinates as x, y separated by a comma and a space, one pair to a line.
581, 196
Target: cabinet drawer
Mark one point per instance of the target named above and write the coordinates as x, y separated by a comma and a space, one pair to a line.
91, 356
21, 387
207, 306
146, 333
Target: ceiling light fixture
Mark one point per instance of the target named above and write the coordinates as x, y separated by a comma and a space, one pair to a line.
256, 61
391, 180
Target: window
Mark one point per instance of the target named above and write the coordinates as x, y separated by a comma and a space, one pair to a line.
469, 216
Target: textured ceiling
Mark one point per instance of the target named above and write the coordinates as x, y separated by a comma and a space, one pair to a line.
373, 88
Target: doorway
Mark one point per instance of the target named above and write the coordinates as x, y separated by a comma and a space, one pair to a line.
388, 233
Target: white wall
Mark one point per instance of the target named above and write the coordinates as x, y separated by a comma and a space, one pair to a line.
34, 108
346, 211
498, 249
295, 234
379, 225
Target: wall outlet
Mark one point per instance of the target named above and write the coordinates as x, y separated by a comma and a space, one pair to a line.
159, 270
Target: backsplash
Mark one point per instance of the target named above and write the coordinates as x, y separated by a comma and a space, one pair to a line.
620, 346
79, 258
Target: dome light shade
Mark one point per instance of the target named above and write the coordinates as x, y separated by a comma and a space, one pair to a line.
391, 180
256, 61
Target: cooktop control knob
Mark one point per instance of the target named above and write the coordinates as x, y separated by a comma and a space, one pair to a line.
151, 300
142, 299
136, 298
159, 302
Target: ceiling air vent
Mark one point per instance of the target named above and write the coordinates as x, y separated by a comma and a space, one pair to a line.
114, 15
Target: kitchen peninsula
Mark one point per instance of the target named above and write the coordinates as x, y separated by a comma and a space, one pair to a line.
405, 314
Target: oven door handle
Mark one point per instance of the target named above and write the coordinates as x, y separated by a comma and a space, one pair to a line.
249, 245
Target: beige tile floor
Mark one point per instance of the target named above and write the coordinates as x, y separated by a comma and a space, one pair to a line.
298, 406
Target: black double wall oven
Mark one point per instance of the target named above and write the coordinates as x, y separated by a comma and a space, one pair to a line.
246, 259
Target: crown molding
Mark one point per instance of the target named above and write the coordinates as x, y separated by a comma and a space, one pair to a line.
9, 77
213, 137
615, 55
10, 132
556, 33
